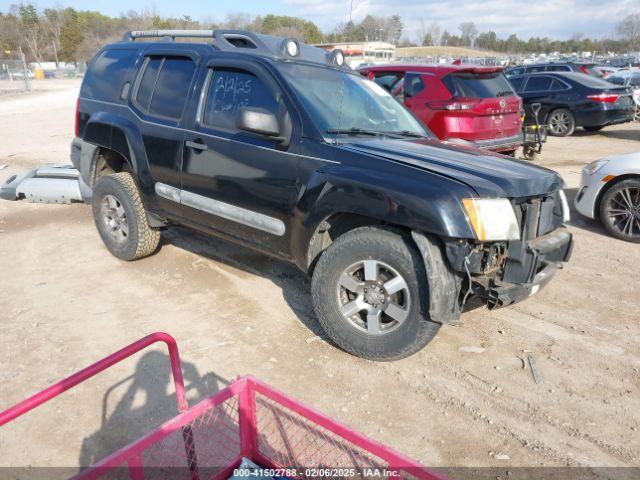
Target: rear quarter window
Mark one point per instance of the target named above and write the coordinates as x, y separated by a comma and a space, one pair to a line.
107, 74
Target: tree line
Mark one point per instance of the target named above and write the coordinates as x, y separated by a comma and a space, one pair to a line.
628, 39
69, 35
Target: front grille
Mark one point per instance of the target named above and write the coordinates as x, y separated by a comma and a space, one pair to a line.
538, 216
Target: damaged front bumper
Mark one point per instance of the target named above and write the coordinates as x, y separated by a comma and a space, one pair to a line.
503, 274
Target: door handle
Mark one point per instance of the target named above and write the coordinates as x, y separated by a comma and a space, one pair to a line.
197, 144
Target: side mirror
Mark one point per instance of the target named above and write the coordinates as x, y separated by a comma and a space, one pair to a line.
258, 121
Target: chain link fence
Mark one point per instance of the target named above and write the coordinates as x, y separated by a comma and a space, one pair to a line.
15, 76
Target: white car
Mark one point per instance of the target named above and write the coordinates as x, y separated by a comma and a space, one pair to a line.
610, 191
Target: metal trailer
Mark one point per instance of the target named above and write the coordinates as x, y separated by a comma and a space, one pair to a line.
248, 420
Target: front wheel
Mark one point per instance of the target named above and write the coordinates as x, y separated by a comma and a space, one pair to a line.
561, 123
369, 292
121, 219
620, 210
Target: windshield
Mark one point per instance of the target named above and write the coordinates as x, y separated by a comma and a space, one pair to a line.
339, 102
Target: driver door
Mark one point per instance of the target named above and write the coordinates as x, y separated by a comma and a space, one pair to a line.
234, 182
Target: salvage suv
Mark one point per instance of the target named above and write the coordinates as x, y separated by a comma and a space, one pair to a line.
280, 147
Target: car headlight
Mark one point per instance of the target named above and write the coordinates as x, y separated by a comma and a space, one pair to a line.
593, 167
492, 218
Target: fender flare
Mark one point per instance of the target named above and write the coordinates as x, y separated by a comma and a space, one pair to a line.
444, 285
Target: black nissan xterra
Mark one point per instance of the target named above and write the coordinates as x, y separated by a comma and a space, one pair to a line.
279, 146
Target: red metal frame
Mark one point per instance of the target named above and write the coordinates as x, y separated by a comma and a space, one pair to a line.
245, 392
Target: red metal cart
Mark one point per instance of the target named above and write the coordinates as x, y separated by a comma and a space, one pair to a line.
248, 419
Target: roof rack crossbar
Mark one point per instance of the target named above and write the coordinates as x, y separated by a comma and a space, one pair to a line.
132, 35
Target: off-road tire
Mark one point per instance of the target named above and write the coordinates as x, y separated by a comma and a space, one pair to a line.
571, 123
142, 240
605, 201
396, 250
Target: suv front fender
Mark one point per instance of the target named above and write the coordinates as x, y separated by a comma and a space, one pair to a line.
429, 204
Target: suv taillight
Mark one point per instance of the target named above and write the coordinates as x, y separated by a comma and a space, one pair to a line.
77, 118
454, 104
604, 97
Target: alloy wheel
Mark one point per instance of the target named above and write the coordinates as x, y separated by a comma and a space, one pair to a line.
114, 218
373, 297
560, 123
623, 211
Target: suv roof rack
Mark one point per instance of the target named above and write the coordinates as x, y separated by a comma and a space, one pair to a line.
250, 42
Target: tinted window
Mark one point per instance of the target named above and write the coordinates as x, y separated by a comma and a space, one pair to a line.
473, 85
558, 68
517, 83
386, 80
515, 71
635, 81
229, 90
148, 81
538, 84
413, 84
536, 69
558, 85
617, 80
107, 74
172, 87
588, 80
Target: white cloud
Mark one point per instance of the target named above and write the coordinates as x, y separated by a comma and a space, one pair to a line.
526, 18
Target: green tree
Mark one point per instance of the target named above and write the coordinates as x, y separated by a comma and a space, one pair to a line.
71, 36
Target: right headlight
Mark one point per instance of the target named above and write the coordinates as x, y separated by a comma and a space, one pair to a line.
492, 219
593, 167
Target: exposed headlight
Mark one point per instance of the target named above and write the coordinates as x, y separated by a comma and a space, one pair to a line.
566, 216
492, 218
593, 167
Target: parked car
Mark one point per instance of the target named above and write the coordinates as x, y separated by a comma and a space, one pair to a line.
631, 79
571, 100
460, 104
610, 191
586, 68
280, 147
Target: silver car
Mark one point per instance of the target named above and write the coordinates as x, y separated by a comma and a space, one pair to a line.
610, 191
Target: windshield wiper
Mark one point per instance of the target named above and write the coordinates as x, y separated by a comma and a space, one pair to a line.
407, 133
354, 131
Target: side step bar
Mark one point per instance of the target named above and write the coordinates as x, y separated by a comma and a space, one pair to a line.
47, 184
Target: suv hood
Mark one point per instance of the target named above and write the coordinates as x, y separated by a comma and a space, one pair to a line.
490, 175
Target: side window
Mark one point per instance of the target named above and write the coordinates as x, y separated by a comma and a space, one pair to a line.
230, 90
558, 85
635, 81
413, 84
164, 86
538, 84
517, 83
386, 80
107, 74
536, 69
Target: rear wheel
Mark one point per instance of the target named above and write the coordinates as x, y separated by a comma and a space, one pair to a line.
369, 292
620, 210
594, 129
561, 123
121, 219
529, 153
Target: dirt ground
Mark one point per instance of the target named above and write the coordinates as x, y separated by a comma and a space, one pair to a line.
465, 400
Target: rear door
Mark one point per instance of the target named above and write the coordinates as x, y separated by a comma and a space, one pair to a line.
489, 107
159, 98
548, 91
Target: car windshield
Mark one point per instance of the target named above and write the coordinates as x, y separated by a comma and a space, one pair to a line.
342, 103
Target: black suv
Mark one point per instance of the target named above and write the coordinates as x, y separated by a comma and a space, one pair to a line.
279, 146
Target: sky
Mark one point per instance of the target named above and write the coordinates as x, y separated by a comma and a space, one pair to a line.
558, 19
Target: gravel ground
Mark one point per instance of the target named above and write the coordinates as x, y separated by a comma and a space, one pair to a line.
465, 400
